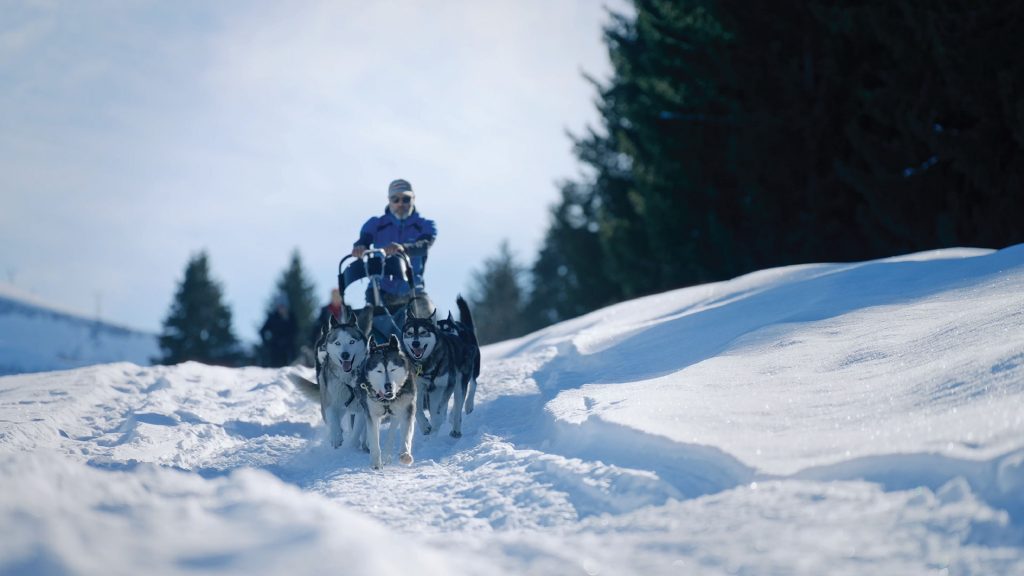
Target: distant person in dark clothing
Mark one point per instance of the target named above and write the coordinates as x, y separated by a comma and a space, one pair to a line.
331, 309
278, 334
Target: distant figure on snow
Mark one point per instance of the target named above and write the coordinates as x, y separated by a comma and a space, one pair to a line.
278, 334
332, 308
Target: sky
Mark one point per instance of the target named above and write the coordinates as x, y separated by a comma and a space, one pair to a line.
135, 134
840, 419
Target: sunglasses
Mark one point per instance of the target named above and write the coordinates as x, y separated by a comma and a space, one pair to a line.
402, 200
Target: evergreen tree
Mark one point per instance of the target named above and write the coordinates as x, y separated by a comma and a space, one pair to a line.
936, 128
297, 290
792, 94
498, 298
734, 139
673, 94
569, 276
198, 325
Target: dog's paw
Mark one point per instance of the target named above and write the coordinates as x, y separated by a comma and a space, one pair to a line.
455, 434
469, 408
336, 442
378, 465
405, 458
427, 430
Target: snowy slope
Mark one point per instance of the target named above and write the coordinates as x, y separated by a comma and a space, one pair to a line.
833, 418
36, 336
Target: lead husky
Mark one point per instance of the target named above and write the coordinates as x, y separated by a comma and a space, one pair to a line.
448, 358
340, 355
390, 394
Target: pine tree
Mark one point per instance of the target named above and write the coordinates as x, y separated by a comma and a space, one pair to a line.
498, 298
198, 325
299, 292
569, 276
735, 139
935, 128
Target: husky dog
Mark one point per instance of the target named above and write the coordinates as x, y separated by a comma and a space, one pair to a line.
448, 358
340, 354
388, 380
466, 332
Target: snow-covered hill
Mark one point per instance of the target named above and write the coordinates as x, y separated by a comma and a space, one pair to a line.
859, 418
36, 336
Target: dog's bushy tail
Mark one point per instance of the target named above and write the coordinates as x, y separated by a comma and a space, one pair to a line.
309, 388
464, 314
466, 318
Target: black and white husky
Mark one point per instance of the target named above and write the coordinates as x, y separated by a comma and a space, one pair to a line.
448, 357
340, 355
388, 382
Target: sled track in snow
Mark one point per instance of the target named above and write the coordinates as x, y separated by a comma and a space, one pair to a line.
517, 466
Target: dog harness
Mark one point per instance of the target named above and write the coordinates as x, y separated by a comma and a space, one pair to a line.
430, 369
371, 394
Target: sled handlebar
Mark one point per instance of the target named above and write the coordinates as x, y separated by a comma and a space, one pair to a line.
372, 264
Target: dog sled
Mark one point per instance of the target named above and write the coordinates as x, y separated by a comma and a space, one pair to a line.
442, 354
374, 265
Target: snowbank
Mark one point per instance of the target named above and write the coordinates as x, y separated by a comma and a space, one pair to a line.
832, 418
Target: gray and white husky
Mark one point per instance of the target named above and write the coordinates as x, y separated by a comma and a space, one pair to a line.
340, 355
448, 357
388, 382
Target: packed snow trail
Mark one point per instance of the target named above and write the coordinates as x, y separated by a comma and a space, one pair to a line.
812, 419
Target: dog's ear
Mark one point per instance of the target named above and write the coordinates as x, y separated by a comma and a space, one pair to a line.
347, 322
393, 342
364, 321
419, 308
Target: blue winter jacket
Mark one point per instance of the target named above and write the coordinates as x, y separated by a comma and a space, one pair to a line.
416, 234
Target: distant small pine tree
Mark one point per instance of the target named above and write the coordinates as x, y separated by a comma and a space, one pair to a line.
298, 290
198, 325
498, 298
569, 276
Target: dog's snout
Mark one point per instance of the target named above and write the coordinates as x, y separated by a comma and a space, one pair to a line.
415, 343
387, 388
345, 355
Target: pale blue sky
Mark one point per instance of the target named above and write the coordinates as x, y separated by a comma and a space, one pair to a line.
135, 133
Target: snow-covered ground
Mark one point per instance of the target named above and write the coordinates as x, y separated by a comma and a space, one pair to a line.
822, 419
36, 336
